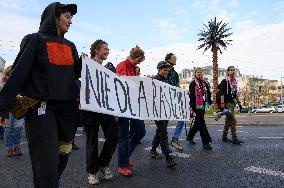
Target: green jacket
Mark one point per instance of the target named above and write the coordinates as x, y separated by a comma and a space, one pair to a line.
173, 77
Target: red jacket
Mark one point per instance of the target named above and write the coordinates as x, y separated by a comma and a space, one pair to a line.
126, 68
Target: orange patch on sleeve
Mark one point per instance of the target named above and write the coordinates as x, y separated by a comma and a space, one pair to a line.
59, 54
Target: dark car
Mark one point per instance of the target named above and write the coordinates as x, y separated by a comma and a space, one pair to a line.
246, 110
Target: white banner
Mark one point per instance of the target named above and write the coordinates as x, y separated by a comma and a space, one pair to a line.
135, 97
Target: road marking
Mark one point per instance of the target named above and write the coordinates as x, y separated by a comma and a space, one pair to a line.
271, 137
176, 154
264, 171
102, 140
237, 131
79, 128
78, 134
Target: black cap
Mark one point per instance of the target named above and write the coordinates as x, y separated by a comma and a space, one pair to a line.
71, 7
163, 64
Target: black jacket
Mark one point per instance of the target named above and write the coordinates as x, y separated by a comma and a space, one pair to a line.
173, 77
45, 68
225, 90
192, 94
163, 79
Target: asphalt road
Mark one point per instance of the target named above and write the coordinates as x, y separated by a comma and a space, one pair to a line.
259, 162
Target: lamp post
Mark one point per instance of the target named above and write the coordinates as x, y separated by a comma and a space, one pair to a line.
281, 93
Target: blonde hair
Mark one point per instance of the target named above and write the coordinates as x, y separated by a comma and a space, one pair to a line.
7, 70
137, 53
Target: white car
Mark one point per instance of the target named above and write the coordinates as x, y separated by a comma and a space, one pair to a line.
264, 109
280, 108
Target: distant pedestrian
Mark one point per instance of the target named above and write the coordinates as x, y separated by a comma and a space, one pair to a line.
13, 131
161, 136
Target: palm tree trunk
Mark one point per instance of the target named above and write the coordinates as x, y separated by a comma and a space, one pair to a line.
215, 73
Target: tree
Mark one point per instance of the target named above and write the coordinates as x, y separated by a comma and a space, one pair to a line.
214, 37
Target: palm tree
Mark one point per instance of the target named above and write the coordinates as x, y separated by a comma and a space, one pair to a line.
213, 37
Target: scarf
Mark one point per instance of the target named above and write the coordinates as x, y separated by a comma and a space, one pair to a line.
200, 94
5, 79
233, 84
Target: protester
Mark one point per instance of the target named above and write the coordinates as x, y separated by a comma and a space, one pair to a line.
200, 96
127, 144
161, 136
46, 69
173, 78
92, 121
13, 132
229, 98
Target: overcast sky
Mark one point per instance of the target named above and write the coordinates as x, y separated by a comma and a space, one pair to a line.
160, 27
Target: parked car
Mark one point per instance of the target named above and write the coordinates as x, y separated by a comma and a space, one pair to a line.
280, 108
245, 110
264, 109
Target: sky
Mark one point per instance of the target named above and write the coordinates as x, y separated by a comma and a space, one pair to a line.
160, 27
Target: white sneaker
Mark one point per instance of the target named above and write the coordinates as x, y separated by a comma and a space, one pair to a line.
93, 179
217, 115
106, 173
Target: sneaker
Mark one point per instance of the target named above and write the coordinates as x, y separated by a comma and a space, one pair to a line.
8, 152
175, 144
125, 171
154, 154
190, 141
74, 146
17, 151
170, 162
217, 115
207, 147
93, 179
237, 142
106, 172
130, 163
225, 139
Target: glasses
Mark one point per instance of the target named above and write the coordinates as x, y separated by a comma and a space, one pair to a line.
232, 69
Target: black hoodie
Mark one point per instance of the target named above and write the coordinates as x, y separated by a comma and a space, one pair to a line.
45, 68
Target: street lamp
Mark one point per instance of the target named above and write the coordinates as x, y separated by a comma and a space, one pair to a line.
281, 93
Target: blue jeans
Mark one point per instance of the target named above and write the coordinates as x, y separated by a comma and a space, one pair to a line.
126, 143
13, 132
178, 130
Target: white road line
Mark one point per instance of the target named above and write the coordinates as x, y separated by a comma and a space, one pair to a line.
102, 140
176, 154
264, 171
78, 134
80, 128
270, 137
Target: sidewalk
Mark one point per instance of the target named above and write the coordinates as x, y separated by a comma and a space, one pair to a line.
243, 120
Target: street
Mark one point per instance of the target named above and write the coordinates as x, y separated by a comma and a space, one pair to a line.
259, 162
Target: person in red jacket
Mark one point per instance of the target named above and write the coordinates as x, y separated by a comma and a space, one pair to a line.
45, 69
127, 143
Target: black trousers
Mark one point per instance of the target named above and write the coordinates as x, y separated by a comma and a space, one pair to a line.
161, 137
200, 125
45, 133
109, 126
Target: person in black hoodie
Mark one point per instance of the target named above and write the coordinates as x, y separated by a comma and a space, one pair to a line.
46, 69
200, 96
161, 136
